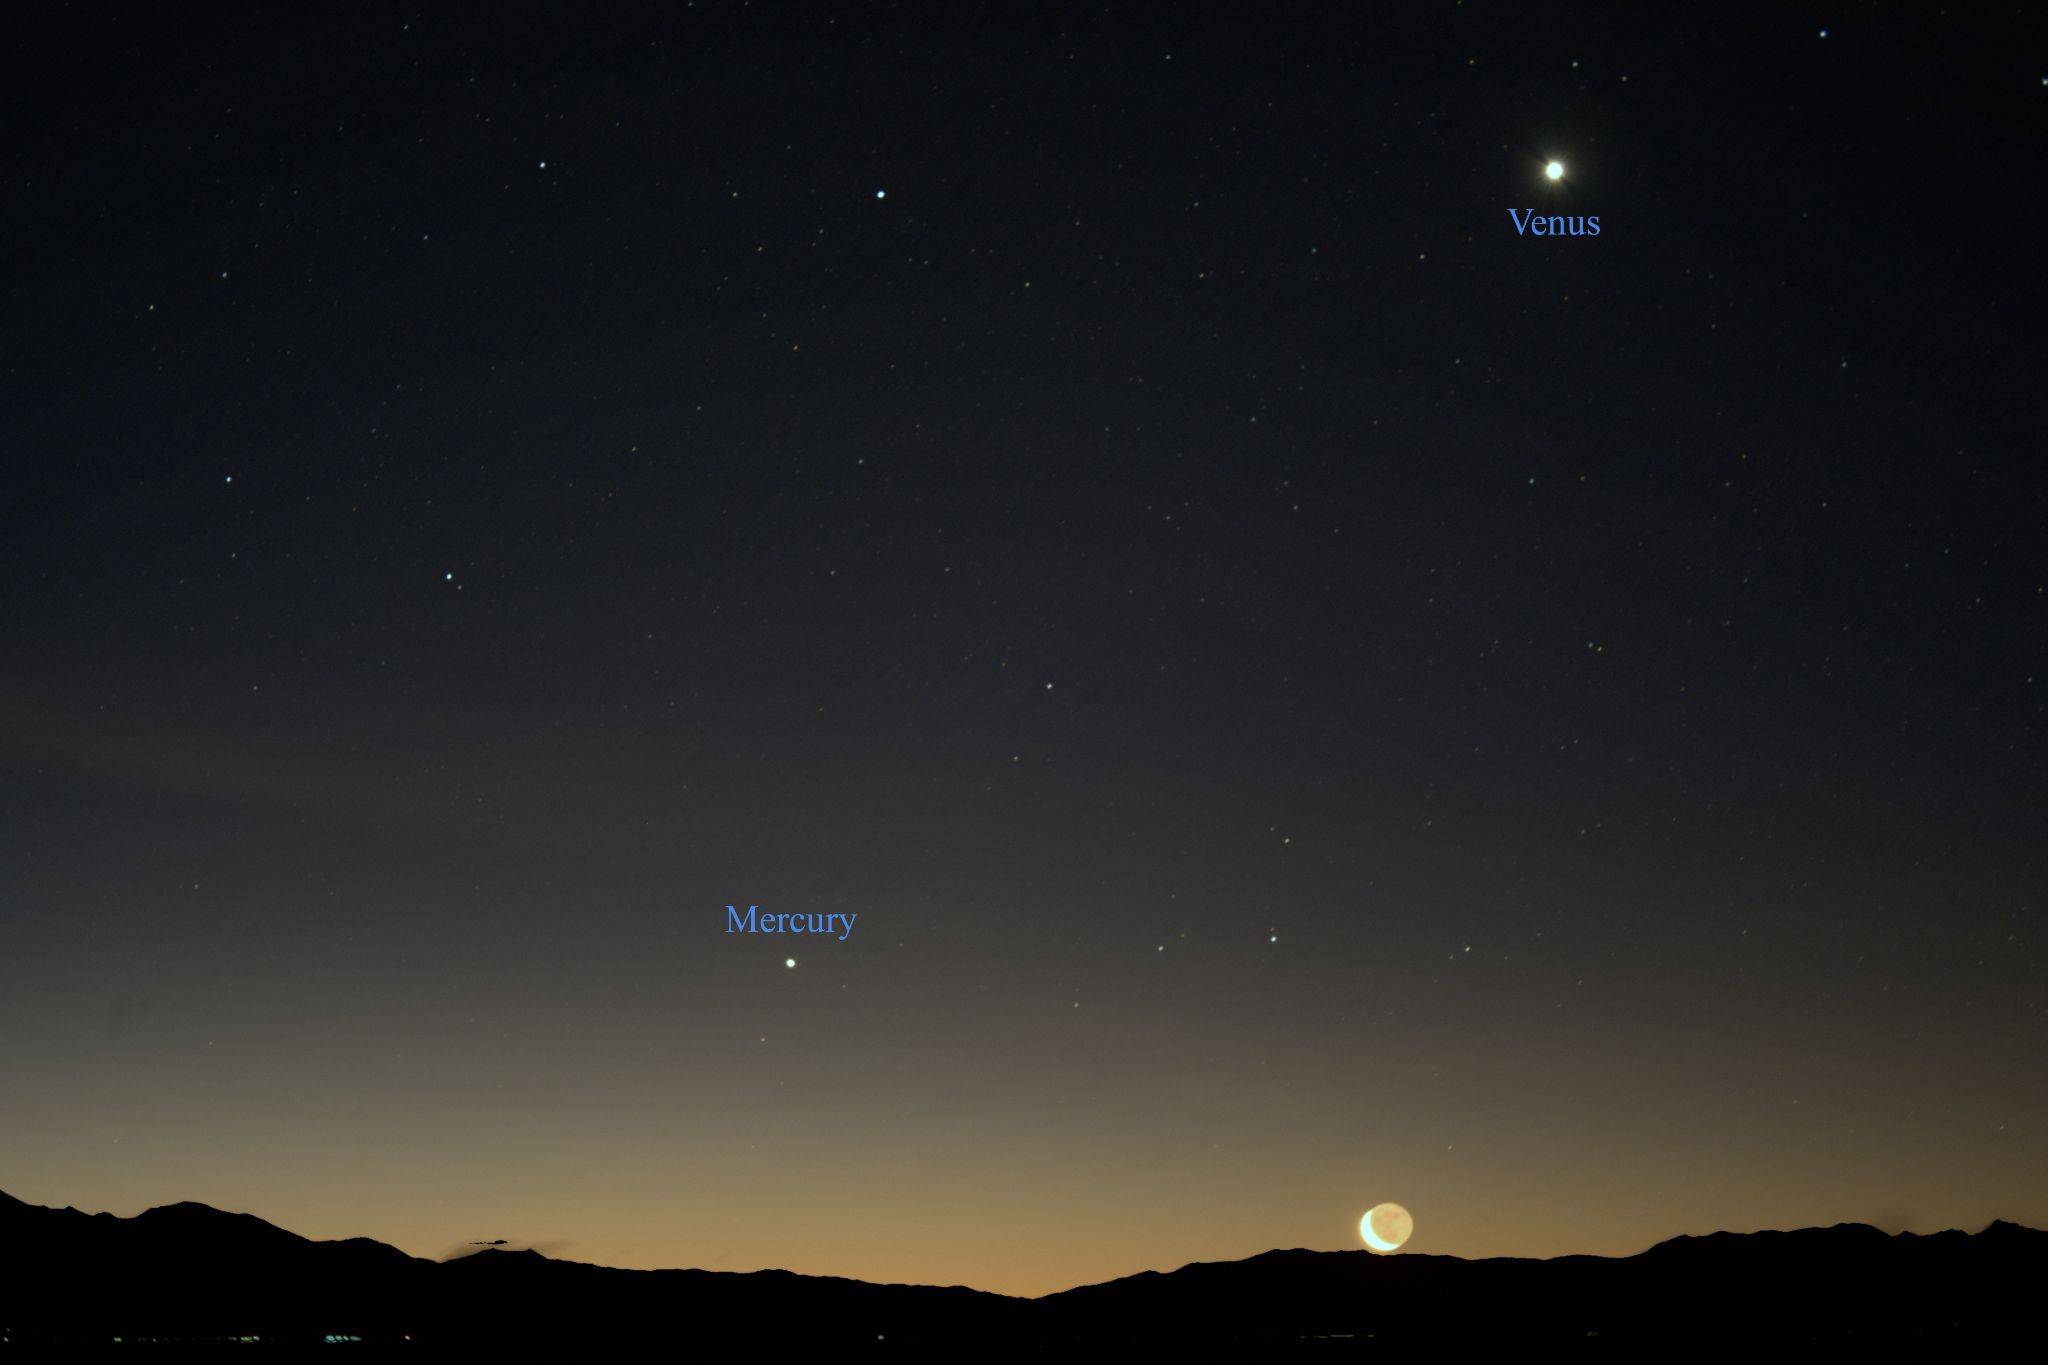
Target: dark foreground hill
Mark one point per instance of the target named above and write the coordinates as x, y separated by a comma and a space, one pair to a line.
191, 1272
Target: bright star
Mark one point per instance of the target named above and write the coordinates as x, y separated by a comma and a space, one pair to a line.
1555, 170
789, 962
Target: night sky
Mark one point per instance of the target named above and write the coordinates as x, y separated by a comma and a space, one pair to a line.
1314, 696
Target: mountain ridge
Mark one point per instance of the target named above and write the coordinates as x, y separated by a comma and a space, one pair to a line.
191, 1271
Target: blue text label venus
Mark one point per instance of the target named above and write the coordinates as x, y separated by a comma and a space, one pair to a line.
1555, 225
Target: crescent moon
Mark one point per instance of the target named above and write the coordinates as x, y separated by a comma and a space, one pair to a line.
1386, 1227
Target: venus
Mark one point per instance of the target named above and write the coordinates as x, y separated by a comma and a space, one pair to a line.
1386, 1226
1555, 170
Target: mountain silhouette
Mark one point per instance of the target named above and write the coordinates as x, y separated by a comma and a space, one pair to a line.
190, 1272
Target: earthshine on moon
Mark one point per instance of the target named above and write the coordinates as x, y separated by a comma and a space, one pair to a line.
1386, 1226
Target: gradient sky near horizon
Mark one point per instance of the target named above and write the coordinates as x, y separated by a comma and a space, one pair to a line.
1314, 697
